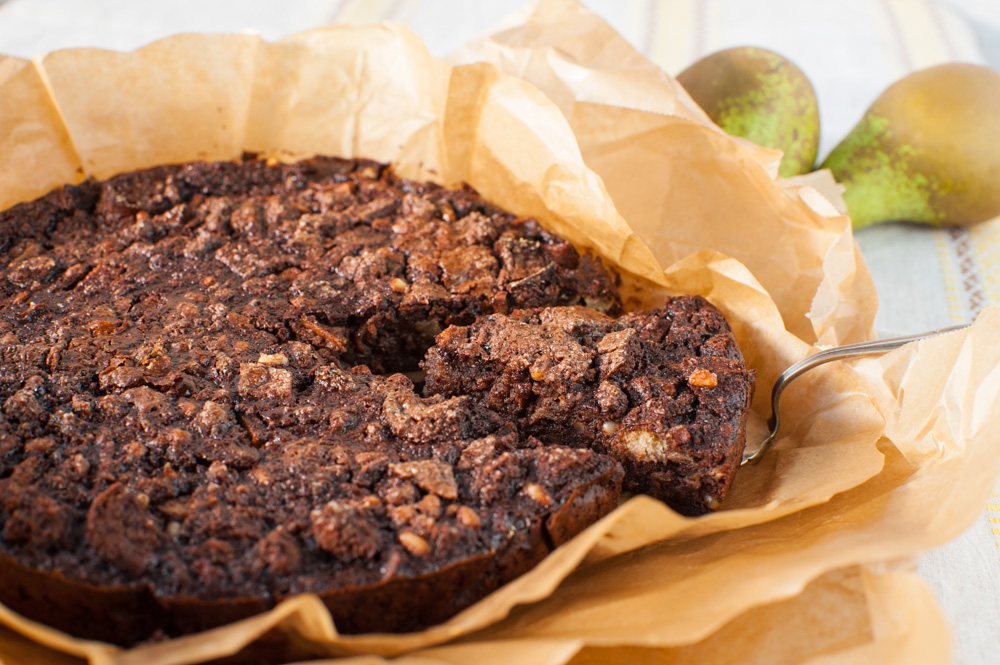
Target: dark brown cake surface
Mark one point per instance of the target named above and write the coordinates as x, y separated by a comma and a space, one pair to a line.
182, 436
664, 391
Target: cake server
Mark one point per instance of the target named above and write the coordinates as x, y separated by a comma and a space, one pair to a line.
874, 347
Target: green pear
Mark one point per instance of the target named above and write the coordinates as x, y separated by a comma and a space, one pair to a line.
762, 97
927, 150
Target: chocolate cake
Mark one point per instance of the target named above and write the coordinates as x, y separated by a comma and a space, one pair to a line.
202, 411
664, 391
190, 426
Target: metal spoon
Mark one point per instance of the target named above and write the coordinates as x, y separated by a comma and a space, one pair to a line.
836, 353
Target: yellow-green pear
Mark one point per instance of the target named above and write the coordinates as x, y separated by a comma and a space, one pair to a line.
759, 95
927, 150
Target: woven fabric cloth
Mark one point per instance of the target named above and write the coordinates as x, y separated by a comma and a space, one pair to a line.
850, 49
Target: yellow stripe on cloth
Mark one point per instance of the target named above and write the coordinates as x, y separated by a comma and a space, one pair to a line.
994, 519
897, 57
921, 33
954, 291
671, 31
363, 11
985, 241
406, 11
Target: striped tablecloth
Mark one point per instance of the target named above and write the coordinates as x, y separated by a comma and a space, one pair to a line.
850, 49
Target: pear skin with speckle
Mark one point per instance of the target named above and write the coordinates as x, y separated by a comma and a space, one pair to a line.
927, 150
761, 96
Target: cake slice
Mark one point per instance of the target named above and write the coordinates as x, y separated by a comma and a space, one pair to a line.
665, 392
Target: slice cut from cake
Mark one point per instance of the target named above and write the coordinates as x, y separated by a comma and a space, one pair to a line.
665, 392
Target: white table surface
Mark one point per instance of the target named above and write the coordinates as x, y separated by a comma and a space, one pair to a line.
851, 50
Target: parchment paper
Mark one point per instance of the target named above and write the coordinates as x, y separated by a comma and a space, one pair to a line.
880, 459
655, 149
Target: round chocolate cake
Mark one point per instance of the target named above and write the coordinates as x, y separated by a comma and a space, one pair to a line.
201, 412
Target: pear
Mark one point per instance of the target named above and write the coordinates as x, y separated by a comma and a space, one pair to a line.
761, 96
926, 150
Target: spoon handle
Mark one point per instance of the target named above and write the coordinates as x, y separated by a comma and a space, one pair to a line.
874, 347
